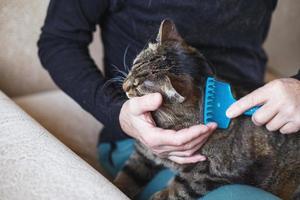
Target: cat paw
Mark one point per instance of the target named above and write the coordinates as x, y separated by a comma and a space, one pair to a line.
161, 195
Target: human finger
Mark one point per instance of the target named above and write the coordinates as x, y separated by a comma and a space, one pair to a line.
189, 152
192, 144
187, 160
264, 114
288, 128
180, 137
146, 103
255, 98
276, 123
184, 147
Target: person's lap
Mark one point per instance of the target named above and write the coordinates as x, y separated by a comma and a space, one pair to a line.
112, 157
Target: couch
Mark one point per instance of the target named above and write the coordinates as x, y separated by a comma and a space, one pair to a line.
24, 80
48, 151
34, 165
53, 126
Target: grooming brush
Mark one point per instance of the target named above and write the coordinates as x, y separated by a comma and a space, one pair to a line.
218, 98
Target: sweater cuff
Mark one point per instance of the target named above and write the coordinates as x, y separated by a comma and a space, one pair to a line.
112, 131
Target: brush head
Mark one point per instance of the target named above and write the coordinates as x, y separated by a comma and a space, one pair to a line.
218, 98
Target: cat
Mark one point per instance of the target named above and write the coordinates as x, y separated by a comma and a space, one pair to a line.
241, 154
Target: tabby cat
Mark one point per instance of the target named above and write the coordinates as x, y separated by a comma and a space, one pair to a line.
243, 153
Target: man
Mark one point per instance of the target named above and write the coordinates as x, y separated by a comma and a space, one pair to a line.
229, 33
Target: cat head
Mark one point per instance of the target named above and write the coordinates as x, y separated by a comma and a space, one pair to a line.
170, 66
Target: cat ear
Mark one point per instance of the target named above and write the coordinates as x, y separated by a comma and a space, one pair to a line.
168, 32
170, 92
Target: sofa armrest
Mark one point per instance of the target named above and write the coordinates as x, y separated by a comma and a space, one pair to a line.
35, 165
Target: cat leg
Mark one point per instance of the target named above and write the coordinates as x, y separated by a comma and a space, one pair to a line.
136, 173
183, 189
174, 191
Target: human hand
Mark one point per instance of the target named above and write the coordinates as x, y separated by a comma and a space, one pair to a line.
178, 146
280, 100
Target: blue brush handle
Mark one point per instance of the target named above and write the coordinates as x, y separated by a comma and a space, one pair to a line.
251, 111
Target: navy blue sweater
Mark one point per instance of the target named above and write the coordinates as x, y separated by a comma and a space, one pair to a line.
229, 33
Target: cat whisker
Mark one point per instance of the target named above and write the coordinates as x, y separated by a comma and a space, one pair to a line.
124, 59
120, 71
116, 80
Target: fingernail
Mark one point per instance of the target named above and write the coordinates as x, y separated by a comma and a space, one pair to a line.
202, 158
202, 128
212, 125
155, 97
229, 113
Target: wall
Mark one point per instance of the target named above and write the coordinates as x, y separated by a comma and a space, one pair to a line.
283, 43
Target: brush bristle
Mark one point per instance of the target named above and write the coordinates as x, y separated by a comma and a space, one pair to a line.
209, 100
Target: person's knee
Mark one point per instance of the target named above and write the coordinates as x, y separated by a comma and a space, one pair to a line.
237, 192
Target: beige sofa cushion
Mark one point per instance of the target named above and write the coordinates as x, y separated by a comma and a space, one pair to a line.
20, 70
66, 120
34, 165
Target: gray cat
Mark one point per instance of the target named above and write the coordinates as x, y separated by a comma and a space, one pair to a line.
243, 153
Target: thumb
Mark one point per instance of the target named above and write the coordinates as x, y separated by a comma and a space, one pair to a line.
146, 103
